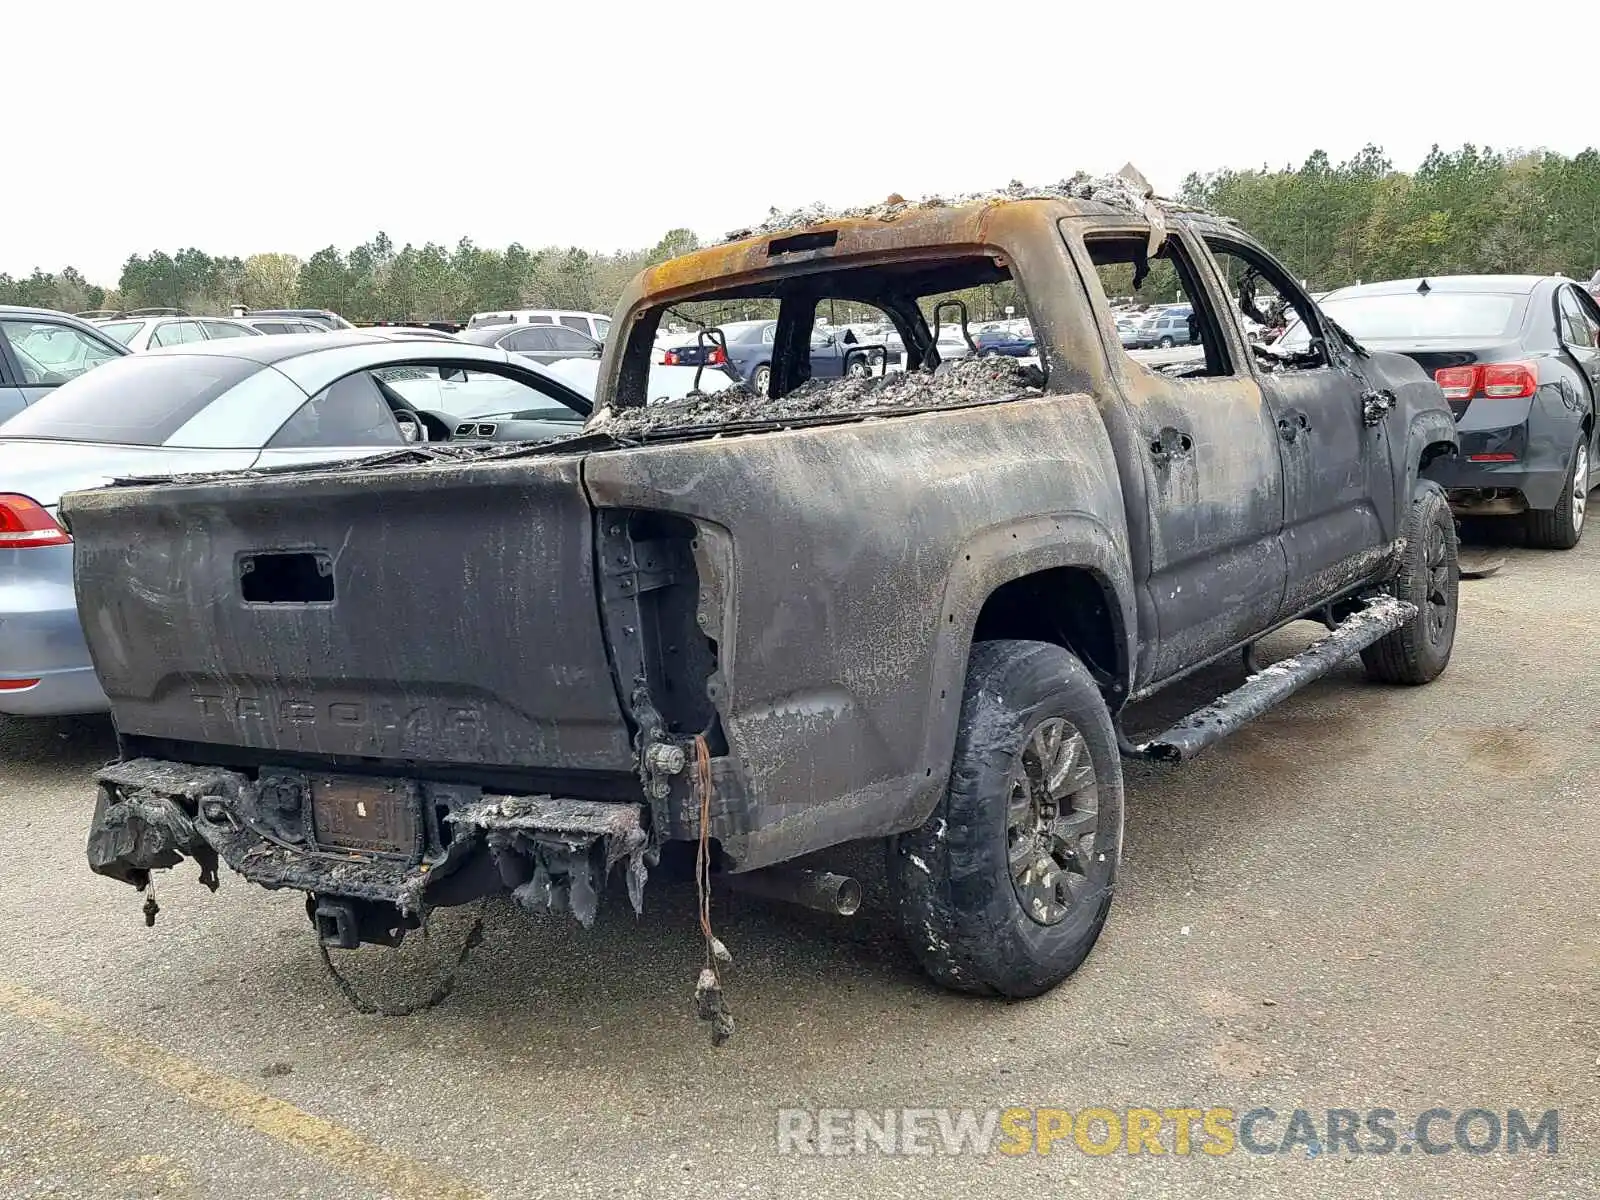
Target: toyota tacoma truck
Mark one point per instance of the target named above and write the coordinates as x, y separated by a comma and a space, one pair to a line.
735, 629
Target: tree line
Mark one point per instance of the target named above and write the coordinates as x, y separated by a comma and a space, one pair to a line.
1467, 210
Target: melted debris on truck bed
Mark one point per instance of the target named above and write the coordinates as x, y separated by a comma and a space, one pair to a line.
424, 454
1127, 190
964, 382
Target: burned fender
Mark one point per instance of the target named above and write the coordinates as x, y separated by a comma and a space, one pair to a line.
1430, 434
1001, 555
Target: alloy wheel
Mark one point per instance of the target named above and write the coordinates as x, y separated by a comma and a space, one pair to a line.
1052, 815
1580, 486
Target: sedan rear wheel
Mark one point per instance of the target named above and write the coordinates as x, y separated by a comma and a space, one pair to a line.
1561, 527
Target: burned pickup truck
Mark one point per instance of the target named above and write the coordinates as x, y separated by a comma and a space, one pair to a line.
734, 629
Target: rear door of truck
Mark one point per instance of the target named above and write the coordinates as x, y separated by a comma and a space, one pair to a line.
1338, 490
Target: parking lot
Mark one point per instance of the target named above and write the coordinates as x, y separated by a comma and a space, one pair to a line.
1371, 897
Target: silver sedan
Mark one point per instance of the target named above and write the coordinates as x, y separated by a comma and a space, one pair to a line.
221, 405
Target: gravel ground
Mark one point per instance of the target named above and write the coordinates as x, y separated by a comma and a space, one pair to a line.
1372, 897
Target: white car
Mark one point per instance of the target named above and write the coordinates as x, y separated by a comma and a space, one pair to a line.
951, 345
666, 382
147, 333
595, 325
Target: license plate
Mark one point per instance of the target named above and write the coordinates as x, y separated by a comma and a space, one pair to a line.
375, 815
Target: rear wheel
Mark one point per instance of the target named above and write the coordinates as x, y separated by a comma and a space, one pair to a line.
1006, 887
1429, 577
1165, 343
858, 368
1560, 528
761, 379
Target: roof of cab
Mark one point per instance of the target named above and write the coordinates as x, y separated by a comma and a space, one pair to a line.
891, 229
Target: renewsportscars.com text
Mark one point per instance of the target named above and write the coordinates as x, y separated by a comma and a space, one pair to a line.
1102, 1130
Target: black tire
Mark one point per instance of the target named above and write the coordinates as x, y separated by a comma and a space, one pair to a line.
761, 379
1430, 578
1561, 527
858, 368
1165, 343
951, 881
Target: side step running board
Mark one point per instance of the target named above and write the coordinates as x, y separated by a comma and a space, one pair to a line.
1381, 616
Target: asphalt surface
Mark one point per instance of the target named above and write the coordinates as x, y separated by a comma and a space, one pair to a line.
1371, 898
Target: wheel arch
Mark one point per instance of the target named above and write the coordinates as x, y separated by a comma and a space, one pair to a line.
1062, 579
1430, 436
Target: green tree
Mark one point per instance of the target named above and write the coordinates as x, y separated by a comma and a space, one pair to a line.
323, 282
1468, 209
270, 280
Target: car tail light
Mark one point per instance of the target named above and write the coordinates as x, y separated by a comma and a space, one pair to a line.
24, 523
670, 358
1508, 381
17, 685
716, 358
1457, 383
1492, 381
1491, 458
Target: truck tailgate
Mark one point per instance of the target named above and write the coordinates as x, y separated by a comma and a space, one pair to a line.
437, 614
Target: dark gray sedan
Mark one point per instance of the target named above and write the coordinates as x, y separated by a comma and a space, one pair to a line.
1518, 358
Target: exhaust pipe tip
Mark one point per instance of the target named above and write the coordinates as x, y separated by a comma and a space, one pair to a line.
823, 891
847, 896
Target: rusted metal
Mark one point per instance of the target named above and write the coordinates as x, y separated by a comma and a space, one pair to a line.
354, 813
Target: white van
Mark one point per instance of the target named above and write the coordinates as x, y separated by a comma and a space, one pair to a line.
593, 324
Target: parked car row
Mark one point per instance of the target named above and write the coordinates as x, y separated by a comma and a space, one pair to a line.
747, 348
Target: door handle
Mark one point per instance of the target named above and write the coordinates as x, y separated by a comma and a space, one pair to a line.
1292, 424
1172, 443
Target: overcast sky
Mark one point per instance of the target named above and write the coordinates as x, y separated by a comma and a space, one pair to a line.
287, 126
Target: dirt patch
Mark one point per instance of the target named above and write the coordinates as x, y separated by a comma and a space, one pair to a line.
1507, 750
1237, 1060
1220, 1003
967, 381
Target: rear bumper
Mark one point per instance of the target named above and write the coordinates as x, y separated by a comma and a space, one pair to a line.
278, 830
41, 638
1537, 474
57, 694
1539, 487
